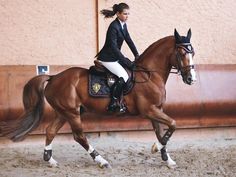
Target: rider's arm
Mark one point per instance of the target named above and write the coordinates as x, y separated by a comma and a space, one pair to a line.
131, 45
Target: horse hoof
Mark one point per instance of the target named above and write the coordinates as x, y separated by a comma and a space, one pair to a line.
53, 163
171, 163
154, 148
106, 165
172, 166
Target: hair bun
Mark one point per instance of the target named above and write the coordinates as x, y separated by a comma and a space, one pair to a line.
115, 8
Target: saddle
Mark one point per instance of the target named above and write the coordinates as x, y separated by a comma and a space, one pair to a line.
101, 80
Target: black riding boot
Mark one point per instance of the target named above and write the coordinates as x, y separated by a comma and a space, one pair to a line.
116, 95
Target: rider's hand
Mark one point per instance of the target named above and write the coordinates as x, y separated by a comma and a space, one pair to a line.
125, 62
129, 64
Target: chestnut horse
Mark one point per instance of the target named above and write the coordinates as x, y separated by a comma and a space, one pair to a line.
67, 92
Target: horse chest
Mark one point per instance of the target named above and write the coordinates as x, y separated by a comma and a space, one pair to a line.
154, 94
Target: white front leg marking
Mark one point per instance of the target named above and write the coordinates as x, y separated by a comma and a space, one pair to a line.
170, 163
53, 162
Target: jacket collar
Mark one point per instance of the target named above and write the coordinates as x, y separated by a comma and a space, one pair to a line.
120, 27
122, 24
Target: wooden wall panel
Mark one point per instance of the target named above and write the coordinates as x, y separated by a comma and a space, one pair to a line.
4, 104
210, 102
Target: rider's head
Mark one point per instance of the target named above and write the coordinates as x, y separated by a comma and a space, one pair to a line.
121, 10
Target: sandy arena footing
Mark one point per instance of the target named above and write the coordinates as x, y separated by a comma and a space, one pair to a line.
197, 152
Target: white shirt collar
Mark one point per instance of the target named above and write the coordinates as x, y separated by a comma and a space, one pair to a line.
121, 23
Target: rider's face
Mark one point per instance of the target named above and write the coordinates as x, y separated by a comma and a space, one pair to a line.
123, 16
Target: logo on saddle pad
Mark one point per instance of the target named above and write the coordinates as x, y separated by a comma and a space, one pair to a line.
96, 87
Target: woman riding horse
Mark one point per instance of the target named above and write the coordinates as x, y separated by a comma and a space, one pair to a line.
67, 92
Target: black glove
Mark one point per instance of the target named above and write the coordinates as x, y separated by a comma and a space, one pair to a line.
131, 65
125, 62
136, 57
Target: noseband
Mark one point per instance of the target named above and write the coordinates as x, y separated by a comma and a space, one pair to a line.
188, 49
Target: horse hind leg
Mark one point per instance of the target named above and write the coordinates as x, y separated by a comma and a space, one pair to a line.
79, 136
51, 132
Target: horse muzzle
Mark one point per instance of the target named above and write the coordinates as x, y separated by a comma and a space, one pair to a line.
190, 77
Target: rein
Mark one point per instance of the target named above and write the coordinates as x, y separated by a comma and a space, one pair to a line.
148, 72
179, 69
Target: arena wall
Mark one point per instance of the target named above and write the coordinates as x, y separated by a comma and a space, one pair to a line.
69, 33
61, 32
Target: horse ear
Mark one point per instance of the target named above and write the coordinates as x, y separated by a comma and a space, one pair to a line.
189, 33
177, 36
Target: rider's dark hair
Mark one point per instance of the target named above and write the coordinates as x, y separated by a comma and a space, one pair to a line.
116, 8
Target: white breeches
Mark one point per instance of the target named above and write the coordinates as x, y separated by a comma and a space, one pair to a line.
116, 69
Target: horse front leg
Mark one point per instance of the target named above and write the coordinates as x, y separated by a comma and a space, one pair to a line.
158, 147
157, 116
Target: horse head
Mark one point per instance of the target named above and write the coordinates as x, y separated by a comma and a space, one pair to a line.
183, 60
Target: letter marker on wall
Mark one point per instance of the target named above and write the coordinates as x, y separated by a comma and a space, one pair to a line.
42, 69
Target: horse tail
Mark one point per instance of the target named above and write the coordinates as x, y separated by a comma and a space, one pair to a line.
33, 100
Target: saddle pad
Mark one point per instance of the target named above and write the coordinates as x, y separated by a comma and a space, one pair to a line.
98, 86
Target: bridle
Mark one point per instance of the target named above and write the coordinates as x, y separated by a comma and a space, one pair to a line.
188, 50
179, 69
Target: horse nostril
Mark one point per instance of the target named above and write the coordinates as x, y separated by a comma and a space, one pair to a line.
189, 79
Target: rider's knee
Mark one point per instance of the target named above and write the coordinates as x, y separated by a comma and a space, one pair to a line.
125, 77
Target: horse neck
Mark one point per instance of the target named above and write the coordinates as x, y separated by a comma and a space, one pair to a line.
157, 58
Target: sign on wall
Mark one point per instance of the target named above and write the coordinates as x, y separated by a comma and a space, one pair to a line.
42, 69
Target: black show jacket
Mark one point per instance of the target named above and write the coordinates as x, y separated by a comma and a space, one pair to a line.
114, 40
